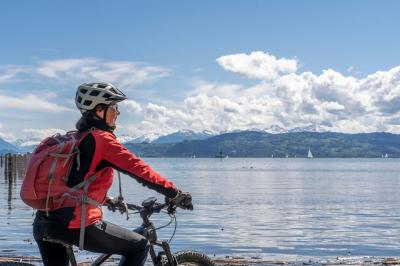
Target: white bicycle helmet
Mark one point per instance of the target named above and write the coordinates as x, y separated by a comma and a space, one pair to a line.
89, 95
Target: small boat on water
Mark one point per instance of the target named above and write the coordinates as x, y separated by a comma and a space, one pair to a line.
220, 155
309, 154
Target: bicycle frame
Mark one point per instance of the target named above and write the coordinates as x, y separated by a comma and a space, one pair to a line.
147, 229
151, 235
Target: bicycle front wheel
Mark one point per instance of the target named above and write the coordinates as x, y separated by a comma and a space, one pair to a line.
193, 258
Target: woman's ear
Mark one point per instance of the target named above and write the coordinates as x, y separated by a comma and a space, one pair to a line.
99, 112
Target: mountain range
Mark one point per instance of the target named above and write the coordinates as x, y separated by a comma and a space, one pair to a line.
273, 141
262, 144
6, 147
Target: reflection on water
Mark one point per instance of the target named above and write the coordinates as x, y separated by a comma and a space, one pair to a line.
14, 228
263, 207
12, 168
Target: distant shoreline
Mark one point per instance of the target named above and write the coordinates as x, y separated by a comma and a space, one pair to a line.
238, 157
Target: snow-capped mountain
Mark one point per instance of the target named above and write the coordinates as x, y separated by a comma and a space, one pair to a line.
125, 138
32, 137
6, 147
183, 135
309, 128
275, 129
27, 144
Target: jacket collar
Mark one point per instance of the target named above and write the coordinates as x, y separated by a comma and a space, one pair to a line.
89, 120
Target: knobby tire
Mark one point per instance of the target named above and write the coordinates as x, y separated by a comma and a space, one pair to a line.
191, 257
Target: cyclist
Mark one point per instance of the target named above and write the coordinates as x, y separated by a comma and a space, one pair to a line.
100, 153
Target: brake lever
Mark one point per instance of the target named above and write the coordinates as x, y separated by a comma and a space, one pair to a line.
126, 210
122, 206
171, 208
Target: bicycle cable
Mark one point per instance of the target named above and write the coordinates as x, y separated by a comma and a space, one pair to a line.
163, 226
176, 224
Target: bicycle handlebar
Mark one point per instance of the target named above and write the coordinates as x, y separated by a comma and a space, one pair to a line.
155, 207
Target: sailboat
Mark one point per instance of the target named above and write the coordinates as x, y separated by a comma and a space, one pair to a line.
386, 155
221, 155
309, 155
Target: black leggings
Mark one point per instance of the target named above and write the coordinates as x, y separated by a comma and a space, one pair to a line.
101, 237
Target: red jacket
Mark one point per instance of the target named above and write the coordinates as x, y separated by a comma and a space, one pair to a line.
100, 153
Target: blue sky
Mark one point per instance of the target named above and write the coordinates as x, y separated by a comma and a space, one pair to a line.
201, 65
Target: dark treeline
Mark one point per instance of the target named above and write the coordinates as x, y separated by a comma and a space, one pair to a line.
260, 144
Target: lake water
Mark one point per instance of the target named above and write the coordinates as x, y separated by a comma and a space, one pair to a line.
271, 208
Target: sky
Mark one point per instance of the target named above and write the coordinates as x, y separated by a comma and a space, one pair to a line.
202, 65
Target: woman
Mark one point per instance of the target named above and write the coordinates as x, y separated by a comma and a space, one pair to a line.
100, 153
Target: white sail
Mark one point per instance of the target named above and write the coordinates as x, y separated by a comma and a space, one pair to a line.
386, 155
309, 155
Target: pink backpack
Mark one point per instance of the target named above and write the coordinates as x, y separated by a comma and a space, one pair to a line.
44, 186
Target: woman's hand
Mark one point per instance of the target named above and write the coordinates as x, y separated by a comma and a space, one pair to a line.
183, 200
114, 204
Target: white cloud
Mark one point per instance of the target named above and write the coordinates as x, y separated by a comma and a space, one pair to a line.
258, 65
33, 136
282, 96
133, 106
10, 73
6, 135
126, 74
332, 106
331, 100
224, 90
42, 133
30, 102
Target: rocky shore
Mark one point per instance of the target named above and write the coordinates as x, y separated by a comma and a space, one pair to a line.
254, 261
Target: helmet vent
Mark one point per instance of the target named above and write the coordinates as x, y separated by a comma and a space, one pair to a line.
102, 86
87, 102
79, 99
106, 95
112, 90
94, 93
84, 91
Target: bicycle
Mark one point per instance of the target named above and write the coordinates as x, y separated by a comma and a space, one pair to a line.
164, 257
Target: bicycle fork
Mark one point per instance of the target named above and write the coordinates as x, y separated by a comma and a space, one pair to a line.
157, 259
151, 235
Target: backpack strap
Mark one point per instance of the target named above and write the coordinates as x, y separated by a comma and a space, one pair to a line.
52, 171
48, 196
83, 216
84, 199
71, 150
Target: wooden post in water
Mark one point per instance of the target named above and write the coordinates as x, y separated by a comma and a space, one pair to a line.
5, 164
1, 160
21, 165
14, 169
9, 164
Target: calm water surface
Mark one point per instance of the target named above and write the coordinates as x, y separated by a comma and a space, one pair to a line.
264, 207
